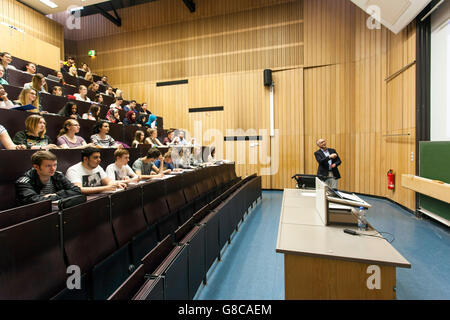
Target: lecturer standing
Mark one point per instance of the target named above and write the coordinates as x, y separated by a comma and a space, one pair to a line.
329, 161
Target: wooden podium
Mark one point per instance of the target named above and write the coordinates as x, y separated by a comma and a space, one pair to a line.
323, 262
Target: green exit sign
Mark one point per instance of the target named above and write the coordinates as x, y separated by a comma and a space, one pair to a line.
92, 53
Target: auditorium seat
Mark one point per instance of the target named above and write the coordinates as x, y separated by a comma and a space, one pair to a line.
52, 104
87, 240
129, 223
69, 90
169, 261
13, 91
23, 213
193, 237
153, 289
9, 174
70, 79
212, 249
176, 202
84, 82
87, 234
31, 259
107, 100
45, 71
129, 288
155, 203
19, 63
18, 78
51, 84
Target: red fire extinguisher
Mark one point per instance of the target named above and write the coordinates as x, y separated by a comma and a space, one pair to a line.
391, 179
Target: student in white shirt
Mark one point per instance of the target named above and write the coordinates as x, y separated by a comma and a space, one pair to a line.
117, 104
82, 94
89, 176
120, 170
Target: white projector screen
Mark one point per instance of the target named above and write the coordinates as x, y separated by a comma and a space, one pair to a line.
440, 83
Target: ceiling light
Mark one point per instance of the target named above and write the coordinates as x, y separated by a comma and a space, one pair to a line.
76, 9
49, 3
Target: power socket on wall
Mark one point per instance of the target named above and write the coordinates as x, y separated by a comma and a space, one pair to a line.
412, 156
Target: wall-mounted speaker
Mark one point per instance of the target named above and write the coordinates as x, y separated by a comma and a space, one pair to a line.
267, 77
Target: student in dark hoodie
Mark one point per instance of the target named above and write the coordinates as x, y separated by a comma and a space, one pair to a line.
43, 182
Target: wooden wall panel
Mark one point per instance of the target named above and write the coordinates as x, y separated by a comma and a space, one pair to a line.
33, 23
373, 136
269, 36
287, 158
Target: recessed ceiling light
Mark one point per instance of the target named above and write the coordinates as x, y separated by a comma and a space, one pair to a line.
76, 9
49, 3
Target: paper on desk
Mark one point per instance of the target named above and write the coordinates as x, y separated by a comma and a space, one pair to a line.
309, 194
349, 196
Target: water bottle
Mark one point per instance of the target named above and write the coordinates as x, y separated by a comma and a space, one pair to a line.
362, 222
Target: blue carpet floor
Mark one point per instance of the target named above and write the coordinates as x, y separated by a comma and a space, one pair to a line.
251, 269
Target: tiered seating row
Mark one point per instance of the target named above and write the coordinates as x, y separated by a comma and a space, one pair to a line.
175, 268
66, 158
105, 237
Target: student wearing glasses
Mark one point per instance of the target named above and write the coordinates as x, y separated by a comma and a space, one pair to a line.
67, 137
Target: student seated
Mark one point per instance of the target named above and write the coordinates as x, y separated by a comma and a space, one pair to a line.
117, 104
82, 94
85, 67
120, 170
34, 137
100, 138
138, 138
113, 116
57, 91
180, 157
28, 97
67, 138
73, 72
6, 59
104, 81
5, 141
212, 156
68, 64
89, 77
93, 113
130, 107
109, 92
70, 110
98, 99
89, 176
37, 83
142, 119
151, 123
118, 93
2, 73
5, 103
196, 158
43, 182
152, 138
93, 87
130, 118
169, 139
30, 68
167, 164
59, 74
180, 140
145, 167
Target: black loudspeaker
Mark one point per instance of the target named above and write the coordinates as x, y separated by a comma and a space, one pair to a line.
267, 77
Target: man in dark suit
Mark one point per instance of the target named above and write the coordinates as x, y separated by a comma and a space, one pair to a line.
329, 161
